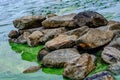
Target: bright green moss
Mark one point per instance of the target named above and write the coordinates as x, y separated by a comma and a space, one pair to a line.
28, 53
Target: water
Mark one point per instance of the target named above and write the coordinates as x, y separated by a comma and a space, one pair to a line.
11, 64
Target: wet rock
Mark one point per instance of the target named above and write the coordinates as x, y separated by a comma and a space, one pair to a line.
78, 31
95, 38
90, 18
28, 22
22, 39
13, 34
115, 68
34, 38
61, 41
42, 53
32, 69
59, 58
51, 15
105, 75
60, 21
111, 55
80, 68
49, 34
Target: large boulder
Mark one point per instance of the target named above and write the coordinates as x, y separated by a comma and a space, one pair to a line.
49, 34
13, 34
28, 22
59, 58
111, 55
115, 68
60, 21
80, 68
90, 18
105, 75
95, 38
34, 38
61, 41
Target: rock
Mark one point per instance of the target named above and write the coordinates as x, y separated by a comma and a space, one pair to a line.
34, 38
30, 30
60, 21
13, 34
116, 41
115, 68
22, 39
42, 53
49, 34
90, 18
95, 38
105, 75
28, 22
114, 25
61, 41
32, 69
78, 31
59, 58
51, 15
80, 68
111, 55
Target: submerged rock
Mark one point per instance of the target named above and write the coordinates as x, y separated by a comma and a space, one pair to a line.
80, 68
32, 69
34, 38
59, 58
13, 34
115, 68
105, 75
90, 18
61, 41
60, 21
95, 38
111, 55
42, 53
28, 22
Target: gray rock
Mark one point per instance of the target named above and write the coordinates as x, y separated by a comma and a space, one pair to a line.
59, 58
95, 38
28, 22
32, 69
90, 18
111, 55
105, 75
60, 21
80, 68
115, 68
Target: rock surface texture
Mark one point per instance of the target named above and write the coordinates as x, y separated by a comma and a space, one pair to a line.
59, 21
80, 68
28, 22
90, 18
105, 75
59, 58
95, 38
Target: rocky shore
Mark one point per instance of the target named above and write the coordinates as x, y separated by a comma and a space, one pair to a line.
72, 42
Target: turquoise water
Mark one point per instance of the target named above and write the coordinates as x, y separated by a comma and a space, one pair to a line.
11, 64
